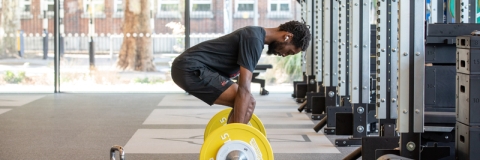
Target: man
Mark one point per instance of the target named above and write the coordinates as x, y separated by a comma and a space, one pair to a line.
205, 69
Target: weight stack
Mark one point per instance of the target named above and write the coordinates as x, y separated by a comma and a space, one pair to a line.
467, 97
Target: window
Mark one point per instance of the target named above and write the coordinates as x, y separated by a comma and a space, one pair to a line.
50, 5
118, 8
25, 9
168, 9
201, 9
279, 9
46, 5
244, 9
95, 7
26, 5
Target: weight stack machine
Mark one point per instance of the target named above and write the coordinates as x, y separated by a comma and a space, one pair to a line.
468, 97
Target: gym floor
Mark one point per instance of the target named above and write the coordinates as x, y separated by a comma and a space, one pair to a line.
149, 126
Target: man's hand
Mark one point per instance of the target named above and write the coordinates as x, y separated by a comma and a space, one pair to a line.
244, 101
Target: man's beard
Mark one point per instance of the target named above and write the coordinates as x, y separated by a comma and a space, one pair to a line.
272, 48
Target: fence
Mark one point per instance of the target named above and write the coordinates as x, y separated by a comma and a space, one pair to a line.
110, 44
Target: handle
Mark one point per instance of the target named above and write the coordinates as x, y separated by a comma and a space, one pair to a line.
119, 149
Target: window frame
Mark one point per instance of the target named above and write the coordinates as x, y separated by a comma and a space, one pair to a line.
116, 13
25, 14
201, 14
85, 13
243, 14
168, 14
279, 14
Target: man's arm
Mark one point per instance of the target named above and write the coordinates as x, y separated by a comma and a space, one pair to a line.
243, 100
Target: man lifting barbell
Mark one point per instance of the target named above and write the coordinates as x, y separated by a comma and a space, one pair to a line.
205, 70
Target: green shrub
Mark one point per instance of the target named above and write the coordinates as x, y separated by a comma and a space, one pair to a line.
291, 65
146, 80
10, 77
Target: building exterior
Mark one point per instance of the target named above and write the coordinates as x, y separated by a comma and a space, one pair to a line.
206, 16
208, 19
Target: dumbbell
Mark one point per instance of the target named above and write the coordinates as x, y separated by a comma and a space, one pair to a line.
221, 118
236, 141
119, 149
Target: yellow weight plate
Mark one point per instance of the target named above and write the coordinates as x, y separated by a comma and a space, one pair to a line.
236, 131
221, 118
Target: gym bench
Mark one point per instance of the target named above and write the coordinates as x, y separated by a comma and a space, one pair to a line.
260, 67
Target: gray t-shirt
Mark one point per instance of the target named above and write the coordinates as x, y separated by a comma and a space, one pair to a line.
226, 54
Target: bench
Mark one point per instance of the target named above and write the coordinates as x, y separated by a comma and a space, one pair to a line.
261, 67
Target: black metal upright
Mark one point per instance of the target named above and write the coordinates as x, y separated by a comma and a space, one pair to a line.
187, 24
307, 88
91, 43
311, 78
45, 35
411, 79
56, 47
360, 73
411, 65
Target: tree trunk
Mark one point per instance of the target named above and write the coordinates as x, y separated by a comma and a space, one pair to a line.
9, 25
135, 53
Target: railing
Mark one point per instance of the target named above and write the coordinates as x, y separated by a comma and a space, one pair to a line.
110, 44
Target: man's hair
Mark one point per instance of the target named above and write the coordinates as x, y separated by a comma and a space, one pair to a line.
300, 31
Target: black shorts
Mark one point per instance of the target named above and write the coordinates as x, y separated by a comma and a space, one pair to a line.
199, 80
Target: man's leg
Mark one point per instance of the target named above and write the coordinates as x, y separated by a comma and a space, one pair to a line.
227, 98
201, 84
